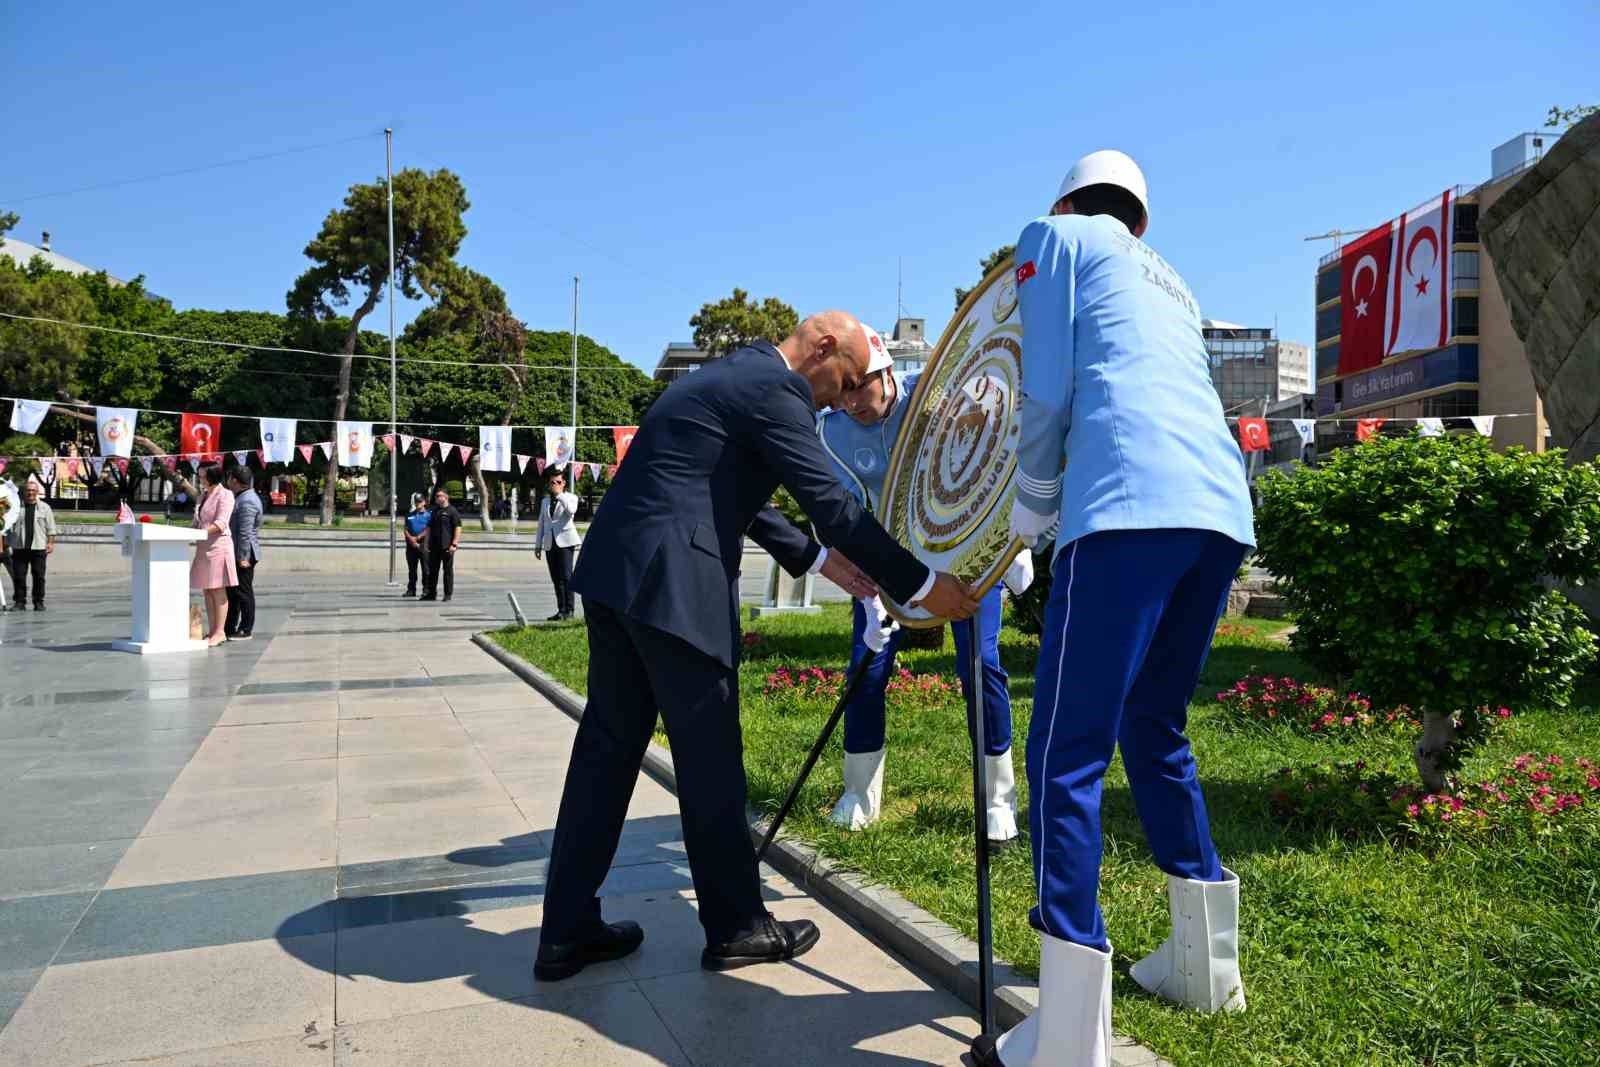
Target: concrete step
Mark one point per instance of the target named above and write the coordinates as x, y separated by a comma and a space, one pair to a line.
1267, 606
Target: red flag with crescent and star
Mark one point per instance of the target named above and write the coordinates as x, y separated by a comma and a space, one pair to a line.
1253, 436
201, 434
622, 437
1419, 301
1364, 300
1367, 429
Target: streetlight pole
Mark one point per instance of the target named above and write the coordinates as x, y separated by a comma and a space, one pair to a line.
394, 439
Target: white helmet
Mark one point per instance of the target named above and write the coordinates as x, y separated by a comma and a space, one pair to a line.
878, 357
1107, 167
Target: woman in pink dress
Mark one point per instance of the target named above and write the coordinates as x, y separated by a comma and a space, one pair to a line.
213, 569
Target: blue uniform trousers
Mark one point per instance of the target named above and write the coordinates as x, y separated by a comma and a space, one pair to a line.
864, 715
1130, 620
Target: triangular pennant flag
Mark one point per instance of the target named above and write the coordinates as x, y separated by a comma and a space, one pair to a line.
1430, 427
239, 457
405, 443
1307, 429
124, 512
1253, 435
327, 449
446, 450
594, 471
26, 415
147, 462
1484, 424
466, 453
170, 463
5, 461
195, 463
539, 465
1367, 429
522, 464
388, 441
122, 466
425, 444
305, 452
611, 472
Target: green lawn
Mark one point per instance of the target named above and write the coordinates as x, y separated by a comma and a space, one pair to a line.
1356, 951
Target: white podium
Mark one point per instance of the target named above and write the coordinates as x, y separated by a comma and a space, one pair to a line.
161, 557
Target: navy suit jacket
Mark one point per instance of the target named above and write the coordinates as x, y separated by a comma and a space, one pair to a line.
666, 543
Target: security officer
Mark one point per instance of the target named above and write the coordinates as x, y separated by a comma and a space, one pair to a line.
1154, 520
859, 436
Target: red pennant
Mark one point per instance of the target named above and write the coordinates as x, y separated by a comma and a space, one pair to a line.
305, 452
466, 453
261, 455
425, 444
1253, 436
122, 466
1367, 429
388, 440
611, 472
539, 465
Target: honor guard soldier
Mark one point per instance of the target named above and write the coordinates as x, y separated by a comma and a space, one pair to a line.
859, 436
1124, 443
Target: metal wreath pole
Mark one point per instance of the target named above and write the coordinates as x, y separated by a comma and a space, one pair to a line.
980, 793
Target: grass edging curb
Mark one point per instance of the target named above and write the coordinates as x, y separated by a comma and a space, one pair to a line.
942, 953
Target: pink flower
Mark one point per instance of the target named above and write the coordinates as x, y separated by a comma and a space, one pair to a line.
1504, 713
1412, 810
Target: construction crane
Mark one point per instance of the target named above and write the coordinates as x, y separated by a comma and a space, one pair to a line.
1337, 236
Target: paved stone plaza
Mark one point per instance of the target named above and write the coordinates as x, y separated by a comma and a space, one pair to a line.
328, 846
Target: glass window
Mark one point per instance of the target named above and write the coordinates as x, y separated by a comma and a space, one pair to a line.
1457, 404
1328, 360
1464, 270
1328, 284
1465, 228
1465, 309
1328, 323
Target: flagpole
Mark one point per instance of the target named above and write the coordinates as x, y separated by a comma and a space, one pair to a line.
574, 371
394, 440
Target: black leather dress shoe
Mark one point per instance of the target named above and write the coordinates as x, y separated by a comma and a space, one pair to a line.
771, 942
984, 1051
611, 941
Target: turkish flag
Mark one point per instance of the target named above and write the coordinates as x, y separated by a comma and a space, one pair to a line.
623, 437
200, 434
1364, 300
1419, 306
1253, 435
1367, 429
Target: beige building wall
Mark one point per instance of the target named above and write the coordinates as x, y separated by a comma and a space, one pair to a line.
1505, 381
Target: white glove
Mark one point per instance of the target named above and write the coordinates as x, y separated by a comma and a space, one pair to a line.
1019, 575
1030, 526
879, 624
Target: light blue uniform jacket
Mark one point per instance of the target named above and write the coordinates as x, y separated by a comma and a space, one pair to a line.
1116, 386
860, 453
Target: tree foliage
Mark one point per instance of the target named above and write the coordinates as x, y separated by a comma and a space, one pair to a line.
1414, 567
1568, 117
735, 321
985, 265
40, 359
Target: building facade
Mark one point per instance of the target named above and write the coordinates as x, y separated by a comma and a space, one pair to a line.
678, 359
1250, 363
907, 347
1480, 369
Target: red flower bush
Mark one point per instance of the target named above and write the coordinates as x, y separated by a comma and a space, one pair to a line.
812, 683
1318, 710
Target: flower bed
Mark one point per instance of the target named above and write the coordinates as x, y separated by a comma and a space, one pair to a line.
816, 683
1324, 712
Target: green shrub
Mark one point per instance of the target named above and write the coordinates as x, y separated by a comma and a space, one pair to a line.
1413, 567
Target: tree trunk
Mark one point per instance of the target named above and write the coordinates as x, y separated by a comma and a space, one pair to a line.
331, 472
1432, 749
475, 472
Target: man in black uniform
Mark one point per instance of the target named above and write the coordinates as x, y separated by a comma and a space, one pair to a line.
444, 534
659, 581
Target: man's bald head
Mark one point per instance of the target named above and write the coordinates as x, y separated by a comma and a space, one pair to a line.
829, 349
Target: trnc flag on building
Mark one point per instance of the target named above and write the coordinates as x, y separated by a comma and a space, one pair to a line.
115, 427
26, 415
1307, 429
1419, 305
623, 437
1253, 436
355, 444
1364, 299
277, 440
199, 434
558, 445
1367, 429
494, 448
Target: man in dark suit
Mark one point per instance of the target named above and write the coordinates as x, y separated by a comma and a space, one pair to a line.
245, 526
659, 580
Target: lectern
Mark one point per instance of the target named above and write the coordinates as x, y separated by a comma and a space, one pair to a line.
161, 557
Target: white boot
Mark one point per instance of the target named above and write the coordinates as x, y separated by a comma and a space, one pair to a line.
1198, 965
1072, 1026
863, 791
1002, 799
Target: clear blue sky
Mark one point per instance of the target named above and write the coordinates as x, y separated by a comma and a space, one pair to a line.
668, 153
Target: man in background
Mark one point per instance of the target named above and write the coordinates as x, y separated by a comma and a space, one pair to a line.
558, 536
245, 525
416, 531
32, 540
444, 534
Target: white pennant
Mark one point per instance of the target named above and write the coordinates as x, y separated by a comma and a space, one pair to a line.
147, 462
1484, 424
446, 450
26, 415
327, 449
1430, 427
405, 443
1307, 429
522, 463
238, 457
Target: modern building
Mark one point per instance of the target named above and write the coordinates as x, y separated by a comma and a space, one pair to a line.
678, 359
1251, 364
22, 253
1480, 369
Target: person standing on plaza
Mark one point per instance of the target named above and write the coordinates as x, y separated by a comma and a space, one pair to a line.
1124, 444
245, 526
10, 514
416, 532
215, 567
558, 536
32, 540
444, 536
